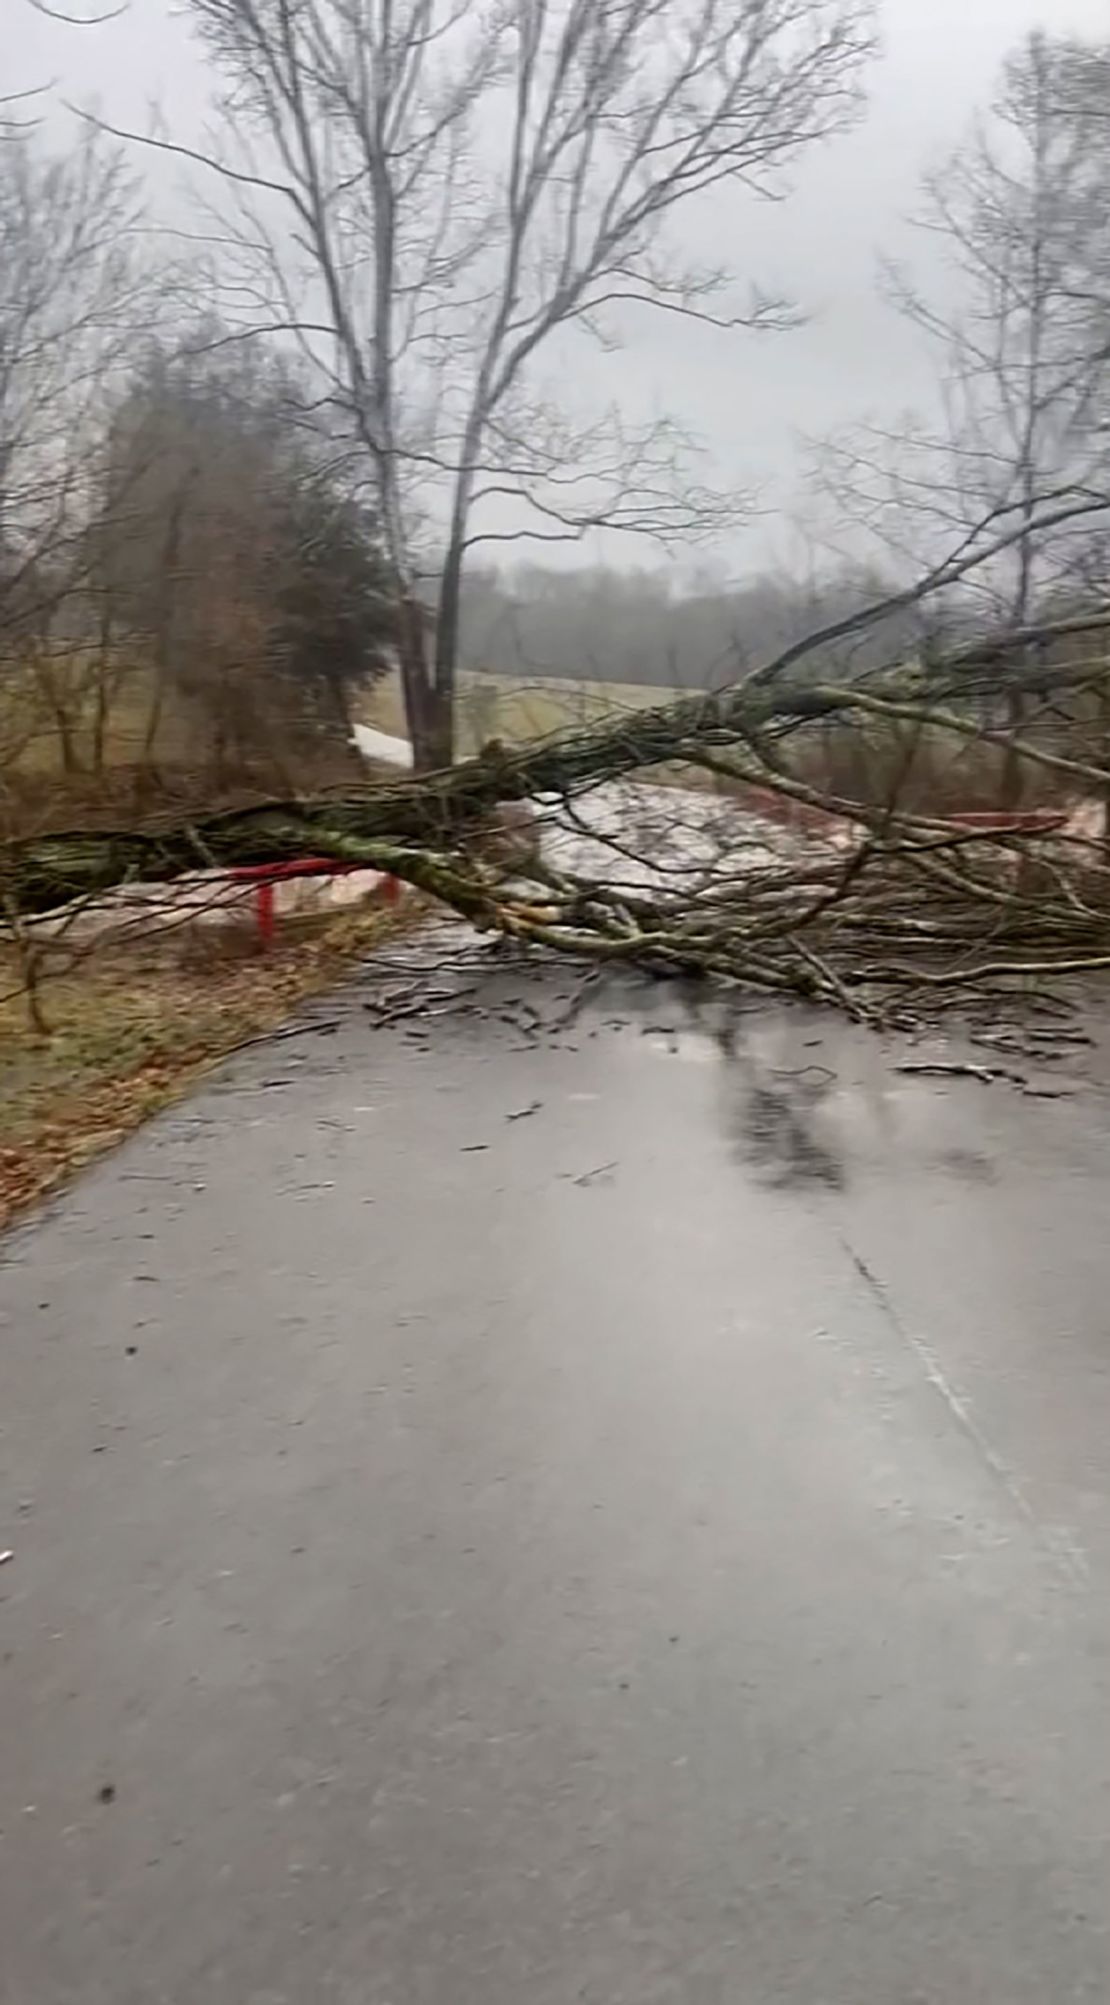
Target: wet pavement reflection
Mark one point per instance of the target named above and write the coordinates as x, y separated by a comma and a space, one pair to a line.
587, 1492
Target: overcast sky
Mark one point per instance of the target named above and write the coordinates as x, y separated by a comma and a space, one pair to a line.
750, 398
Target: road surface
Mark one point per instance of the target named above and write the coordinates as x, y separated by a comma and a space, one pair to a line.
510, 1511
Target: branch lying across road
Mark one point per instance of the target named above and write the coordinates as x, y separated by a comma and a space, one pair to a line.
406, 826
897, 911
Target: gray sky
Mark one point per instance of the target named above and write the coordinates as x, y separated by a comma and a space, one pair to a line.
750, 398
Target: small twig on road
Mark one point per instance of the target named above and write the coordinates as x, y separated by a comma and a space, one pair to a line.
1060, 1036
576, 1004
938, 1069
416, 1001
323, 1028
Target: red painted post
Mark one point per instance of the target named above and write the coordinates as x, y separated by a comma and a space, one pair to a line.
265, 913
264, 877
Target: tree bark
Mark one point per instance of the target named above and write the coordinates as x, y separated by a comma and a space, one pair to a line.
102, 698
430, 721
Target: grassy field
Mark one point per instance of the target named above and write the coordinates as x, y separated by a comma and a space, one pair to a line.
499, 706
489, 706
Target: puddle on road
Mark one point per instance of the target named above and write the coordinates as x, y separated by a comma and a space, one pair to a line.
806, 1101
810, 1102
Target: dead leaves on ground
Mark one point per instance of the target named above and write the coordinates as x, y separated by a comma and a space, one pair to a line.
130, 1034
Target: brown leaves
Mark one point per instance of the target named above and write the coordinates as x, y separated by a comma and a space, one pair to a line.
132, 1031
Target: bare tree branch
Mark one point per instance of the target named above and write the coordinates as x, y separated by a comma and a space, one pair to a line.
77, 20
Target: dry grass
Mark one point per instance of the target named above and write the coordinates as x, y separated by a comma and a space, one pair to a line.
31, 771
516, 711
131, 1030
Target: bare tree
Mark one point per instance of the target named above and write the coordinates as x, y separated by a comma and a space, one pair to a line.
1022, 351
72, 294
468, 188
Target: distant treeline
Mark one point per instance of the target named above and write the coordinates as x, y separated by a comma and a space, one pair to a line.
638, 626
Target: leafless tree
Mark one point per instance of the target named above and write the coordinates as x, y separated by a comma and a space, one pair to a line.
68, 284
446, 197
1018, 319
73, 294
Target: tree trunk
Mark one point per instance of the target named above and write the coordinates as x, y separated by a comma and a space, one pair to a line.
167, 602
63, 724
29, 958
103, 695
441, 736
55, 700
430, 725
1012, 785
447, 639
154, 714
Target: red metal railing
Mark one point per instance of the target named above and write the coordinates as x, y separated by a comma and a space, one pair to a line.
265, 877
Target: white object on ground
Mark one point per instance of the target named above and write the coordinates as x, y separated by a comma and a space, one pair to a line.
379, 745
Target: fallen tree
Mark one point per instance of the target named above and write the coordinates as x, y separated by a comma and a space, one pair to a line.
898, 901
406, 825
877, 908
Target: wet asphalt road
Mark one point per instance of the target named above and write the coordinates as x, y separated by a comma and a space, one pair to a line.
653, 1549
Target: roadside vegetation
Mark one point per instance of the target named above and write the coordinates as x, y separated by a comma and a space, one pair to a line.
126, 1032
